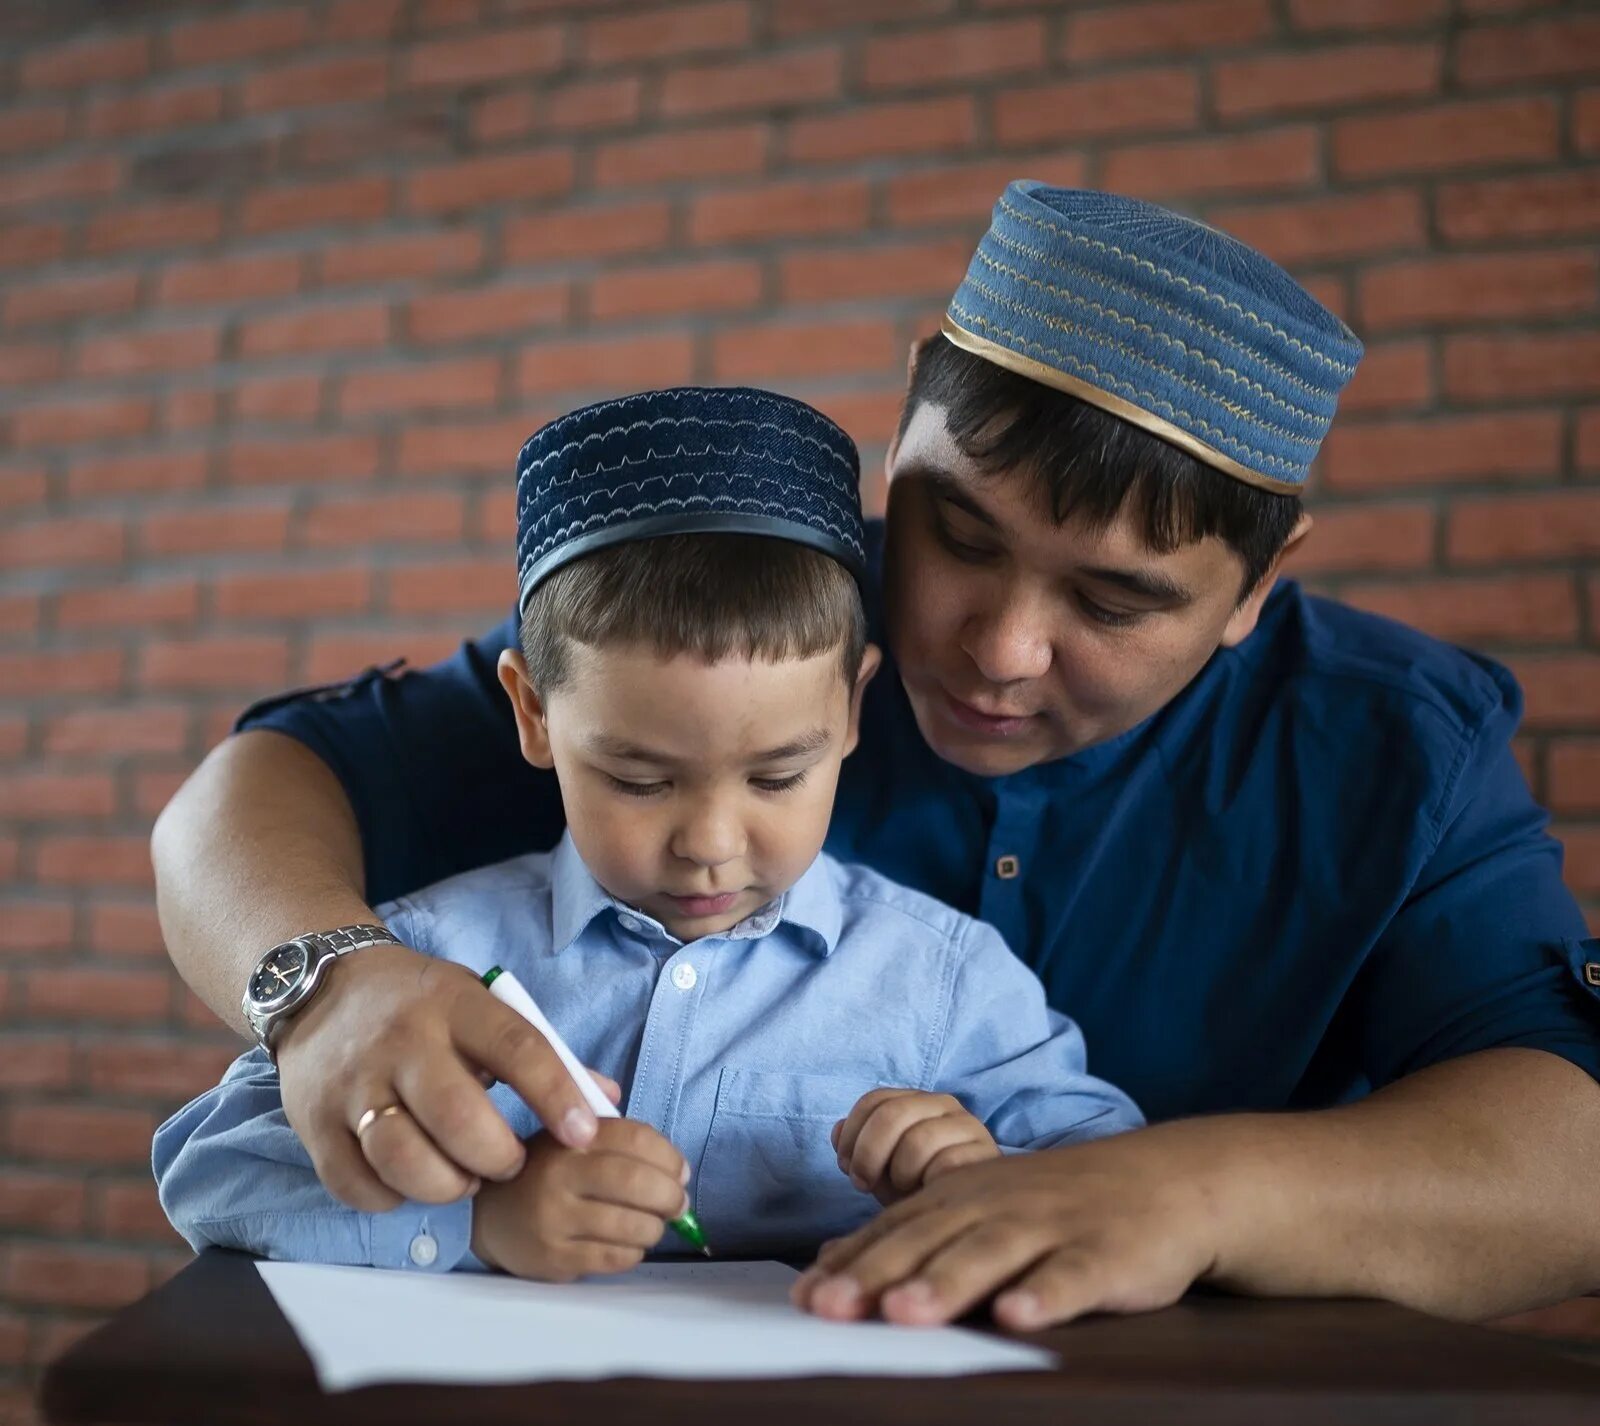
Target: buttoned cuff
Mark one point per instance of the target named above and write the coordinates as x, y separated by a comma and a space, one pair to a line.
423, 1237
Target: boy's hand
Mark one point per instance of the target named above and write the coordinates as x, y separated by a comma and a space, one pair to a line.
896, 1140
570, 1213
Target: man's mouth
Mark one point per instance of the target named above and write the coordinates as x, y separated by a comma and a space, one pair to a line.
977, 720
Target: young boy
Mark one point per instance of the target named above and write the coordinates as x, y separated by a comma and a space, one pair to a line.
806, 1034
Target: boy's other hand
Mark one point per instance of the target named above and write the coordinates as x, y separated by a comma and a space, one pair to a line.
393, 1027
567, 1214
896, 1140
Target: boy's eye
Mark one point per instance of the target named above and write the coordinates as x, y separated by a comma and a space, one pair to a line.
636, 789
778, 784
1111, 618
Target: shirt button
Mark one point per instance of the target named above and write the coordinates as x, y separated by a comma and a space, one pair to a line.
424, 1251
683, 976
630, 923
1007, 867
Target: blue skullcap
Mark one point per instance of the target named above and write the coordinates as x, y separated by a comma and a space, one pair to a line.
690, 460
1161, 320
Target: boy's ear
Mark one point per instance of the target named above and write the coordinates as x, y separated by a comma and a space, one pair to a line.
1242, 623
871, 662
532, 734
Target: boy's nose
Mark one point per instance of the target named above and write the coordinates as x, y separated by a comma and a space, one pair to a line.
710, 839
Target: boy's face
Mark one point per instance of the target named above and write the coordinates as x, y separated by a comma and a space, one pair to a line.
695, 792
1020, 641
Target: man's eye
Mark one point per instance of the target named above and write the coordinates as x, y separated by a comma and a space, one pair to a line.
972, 554
636, 789
1111, 618
778, 784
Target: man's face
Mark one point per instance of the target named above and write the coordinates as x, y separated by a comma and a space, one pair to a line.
1020, 640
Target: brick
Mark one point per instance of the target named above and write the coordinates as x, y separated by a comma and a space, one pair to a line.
665, 34
124, 997
230, 279
616, 365
406, 256
1581, 866
117, 732
93, 176
21, 615
81, 63
133, 1210
154, 225
34, 927
486, 55
125, 928
1168, 27
811, 349
902, 270
1391, 376
1365, 15
1588, 442
498, 117
340, 79
1562, 690
790, 209
148, 473
338, 656
871, 417
475, 447
287, 460
56, 796
785, 80
75, 1277
83, 671
349, 20
790, 20
1377, 537
388, 519
1278, 158
157, 1069
1586, 121
1552, 206
42, 1203
1573, 778
243, 662
595, 232
292, 594
153, 790
223, 529
471, 183
967, 192
640, 293
30, 363
1475, 289
452, 587
1501, 368
31, 244
139, 353
70, 422
1328, 76
34, 129
151, 110
1447, 136
593, 104
1522, 608
463, 384
1517, 446
92, 861
65, 298
61, 542
1530, 51
1560, 525
172, 603
1140, 101
240, 36
277, 398
190, 408
22, 488
350, 326
954, 54
463, 314
448, 14
311, 205
1349, 225
730, 152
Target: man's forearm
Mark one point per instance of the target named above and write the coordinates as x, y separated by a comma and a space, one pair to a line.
259, 845
1464, 1190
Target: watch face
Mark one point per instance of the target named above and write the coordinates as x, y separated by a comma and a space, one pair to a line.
279, 974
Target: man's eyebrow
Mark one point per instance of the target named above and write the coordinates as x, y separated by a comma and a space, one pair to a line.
945, 487
1147, 584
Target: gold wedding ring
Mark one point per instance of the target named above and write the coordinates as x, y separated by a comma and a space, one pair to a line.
371, 1117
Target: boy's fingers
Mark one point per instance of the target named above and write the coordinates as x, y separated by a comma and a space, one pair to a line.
882, 1132
621, 1227
494, 1037
848, 1129
408, 1161
452, 1108
608, 1086
629, 1183
956, 1156
640, 1141
917, 1146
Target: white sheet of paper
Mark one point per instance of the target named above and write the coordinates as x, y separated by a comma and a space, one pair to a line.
701, 1320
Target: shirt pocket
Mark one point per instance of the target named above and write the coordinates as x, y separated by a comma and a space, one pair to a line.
769, 1181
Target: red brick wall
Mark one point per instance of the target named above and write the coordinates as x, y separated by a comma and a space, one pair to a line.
282, 287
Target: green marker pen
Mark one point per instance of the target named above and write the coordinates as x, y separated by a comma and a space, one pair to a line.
507, 989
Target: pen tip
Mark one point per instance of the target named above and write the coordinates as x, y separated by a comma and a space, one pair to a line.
705, 1250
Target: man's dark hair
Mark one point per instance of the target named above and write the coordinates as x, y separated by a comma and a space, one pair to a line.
1092, 463
714, 595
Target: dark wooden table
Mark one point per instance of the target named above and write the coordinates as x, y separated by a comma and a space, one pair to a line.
211, 1349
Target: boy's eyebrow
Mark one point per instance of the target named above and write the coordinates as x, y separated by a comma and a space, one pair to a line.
813, 740
1147, 584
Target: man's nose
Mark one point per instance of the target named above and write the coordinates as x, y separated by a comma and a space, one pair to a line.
1010, 641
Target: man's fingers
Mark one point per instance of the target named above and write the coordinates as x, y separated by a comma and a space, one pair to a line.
494, 1037
409, 1162
962, 1273
455, 1112
956, 1156
1064, 1285
345, 1172
851, 1289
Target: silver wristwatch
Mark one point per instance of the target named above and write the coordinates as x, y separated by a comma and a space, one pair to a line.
288, 975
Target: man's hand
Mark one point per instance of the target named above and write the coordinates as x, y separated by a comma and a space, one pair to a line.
395, 1027
570, 1214
1118, 1225
896, 1140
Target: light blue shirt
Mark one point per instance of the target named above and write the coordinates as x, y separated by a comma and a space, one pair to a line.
743, 1049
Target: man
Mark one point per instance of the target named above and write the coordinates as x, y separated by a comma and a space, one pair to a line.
1275, 855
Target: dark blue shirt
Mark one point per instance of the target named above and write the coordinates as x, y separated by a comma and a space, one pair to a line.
1316, 870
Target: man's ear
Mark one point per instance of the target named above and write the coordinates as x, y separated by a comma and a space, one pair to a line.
871, 662
532, 734
1242, 622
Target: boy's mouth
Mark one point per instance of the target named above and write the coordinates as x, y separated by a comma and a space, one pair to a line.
704, 905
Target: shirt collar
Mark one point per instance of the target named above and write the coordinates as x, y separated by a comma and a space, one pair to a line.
811, 904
